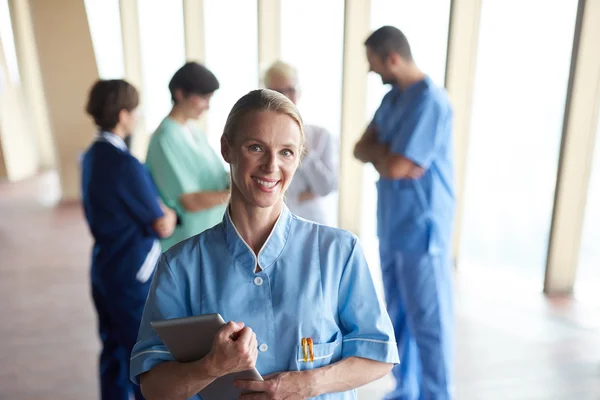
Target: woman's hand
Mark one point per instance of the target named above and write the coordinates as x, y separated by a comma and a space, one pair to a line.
281, 386
165, 225
342, 376
234, 349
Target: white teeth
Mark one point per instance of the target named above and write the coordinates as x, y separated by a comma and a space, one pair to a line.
265, 184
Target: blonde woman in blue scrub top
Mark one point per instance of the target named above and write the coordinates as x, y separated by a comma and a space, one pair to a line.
281, 281
317, 175
188, 172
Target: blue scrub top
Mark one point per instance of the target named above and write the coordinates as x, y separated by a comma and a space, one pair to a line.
416, 215
314, 282
120, 203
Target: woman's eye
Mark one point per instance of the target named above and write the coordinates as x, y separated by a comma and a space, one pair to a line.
254, 147
287, 153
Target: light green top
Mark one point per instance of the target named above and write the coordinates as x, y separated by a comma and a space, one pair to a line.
181, 161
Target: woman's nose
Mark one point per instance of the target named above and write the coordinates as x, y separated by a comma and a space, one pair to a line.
270, 162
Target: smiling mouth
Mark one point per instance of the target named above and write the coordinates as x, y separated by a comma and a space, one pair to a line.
265, 184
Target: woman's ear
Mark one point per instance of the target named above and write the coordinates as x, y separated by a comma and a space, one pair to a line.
225, 149
179, 96
123, 117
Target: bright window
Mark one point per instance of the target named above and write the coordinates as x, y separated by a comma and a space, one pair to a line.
104, 19
8, 43
163, 53
588, 273
523, 67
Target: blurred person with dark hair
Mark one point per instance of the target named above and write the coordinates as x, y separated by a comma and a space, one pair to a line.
126, 218
188, 173
317, 175
409, 141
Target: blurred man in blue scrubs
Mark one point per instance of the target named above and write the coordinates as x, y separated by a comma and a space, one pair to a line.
409, 142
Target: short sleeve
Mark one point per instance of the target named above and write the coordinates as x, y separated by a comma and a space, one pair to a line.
169, 170
421, 130
138, 192
165, 301
366, 327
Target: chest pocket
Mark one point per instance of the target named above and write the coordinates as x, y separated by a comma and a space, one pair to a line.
324, 354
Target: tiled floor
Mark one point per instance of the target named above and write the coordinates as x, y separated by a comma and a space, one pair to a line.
510, 345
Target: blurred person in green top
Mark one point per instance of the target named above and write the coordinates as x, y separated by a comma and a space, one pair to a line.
187, 171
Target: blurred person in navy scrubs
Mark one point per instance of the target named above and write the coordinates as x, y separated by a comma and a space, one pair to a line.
126, 219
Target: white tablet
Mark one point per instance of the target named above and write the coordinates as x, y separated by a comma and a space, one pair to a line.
189, 339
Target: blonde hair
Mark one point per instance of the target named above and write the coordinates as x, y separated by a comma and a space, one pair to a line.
257, 101
280, 69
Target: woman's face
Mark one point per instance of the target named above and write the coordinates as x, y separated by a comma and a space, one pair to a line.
193, 105
264, 155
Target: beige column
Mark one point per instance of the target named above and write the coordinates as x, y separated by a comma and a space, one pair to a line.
460, 82
193, 22
193, 25
579, 135
132, 59
68, 69
31, 80
269, 33
354, 111
16, 136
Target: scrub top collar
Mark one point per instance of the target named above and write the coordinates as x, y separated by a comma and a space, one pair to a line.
399, 91
113, 139
270, 251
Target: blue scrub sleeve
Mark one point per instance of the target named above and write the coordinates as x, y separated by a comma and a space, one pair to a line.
419, 133
137, 191
165, 301
366, 327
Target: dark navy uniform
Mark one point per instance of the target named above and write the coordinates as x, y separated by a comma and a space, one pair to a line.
121, 203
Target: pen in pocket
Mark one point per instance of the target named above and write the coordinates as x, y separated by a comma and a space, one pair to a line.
308, 350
